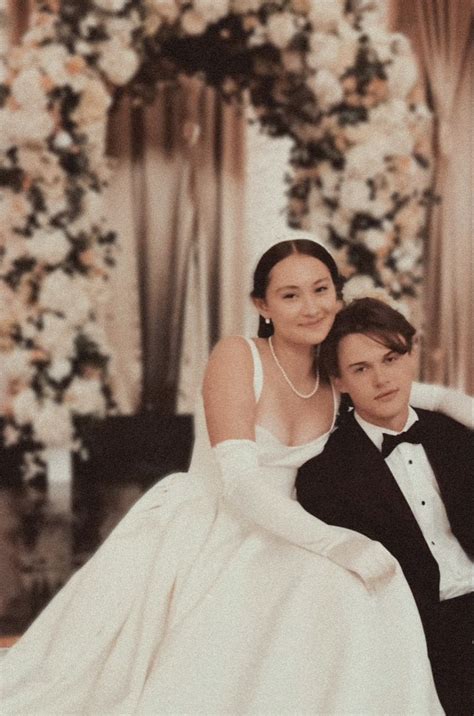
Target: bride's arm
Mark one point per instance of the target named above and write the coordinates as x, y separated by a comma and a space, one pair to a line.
452, 403
230, 413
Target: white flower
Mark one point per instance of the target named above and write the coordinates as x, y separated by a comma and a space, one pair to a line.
110, 5
402, 76
59, 369
358, 286
241, 7
324, 51
168, 10
374, 239
193, 23
25, 407
57, 337
62, 140
212, 10
49, 247
325, 14
17, 364
118, 62
28, 91
52, 425
93, 104
354, 195
327, 88
24, 125
281, 29
84, 396
52, 59
67, 295
408, 254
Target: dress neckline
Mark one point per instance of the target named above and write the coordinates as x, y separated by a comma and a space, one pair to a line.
258, 386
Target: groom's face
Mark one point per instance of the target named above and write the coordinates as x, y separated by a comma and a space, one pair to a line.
377, 379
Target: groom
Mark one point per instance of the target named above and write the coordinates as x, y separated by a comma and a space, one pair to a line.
403, 478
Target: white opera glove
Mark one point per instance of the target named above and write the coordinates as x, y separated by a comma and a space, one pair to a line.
244, 488
450, 402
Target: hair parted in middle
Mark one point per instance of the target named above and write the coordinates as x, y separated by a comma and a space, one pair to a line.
277, 253
373, 318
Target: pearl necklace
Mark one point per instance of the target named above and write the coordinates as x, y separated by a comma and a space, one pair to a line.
305, 396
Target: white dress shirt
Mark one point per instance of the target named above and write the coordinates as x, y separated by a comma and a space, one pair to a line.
414, 475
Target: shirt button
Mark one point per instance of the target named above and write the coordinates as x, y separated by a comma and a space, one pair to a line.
432, 542
423, 502
410, 462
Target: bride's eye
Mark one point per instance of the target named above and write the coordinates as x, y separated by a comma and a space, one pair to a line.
289, 295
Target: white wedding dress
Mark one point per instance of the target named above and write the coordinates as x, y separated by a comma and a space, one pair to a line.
190, 608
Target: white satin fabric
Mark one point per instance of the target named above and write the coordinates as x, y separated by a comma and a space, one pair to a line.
188, 608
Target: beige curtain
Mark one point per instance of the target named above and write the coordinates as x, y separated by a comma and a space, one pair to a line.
177, 196
441, 32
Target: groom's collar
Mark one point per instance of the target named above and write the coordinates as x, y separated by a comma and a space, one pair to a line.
376, 433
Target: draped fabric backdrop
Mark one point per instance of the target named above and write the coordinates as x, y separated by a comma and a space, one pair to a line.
442, 35
176, 198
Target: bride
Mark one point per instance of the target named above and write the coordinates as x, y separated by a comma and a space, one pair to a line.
217, 593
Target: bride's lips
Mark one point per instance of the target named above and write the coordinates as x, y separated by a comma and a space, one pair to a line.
312, 324
387, 395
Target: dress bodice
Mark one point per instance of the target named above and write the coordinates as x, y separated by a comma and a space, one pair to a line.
281, 460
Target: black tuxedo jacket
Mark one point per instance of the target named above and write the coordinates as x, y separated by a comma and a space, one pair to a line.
350, 485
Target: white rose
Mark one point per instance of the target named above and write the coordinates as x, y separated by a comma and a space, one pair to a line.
17, 364
281, 29
354, 195
28, 91
212, 10
59, 369
24, 125
49, 247
168, 10
374, 239
25, 407
324, 51
240, 7
52, 59
119, 63
402, 76
93, 104
85, 397
358, 287
110, 5
67, 295
408, 254
62, 140
193, 23
325, 14
57, 337
327, 89
52, 425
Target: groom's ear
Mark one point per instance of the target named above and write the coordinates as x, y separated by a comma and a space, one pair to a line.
339, 384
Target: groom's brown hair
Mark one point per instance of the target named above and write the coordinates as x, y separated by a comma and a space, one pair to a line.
373, 318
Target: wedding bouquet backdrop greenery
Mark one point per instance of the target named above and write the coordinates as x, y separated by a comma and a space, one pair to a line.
324, 72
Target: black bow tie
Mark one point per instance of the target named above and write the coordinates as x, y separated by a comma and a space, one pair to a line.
413, 435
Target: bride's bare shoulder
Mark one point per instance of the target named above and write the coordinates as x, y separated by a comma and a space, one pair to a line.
230, 352
230, 367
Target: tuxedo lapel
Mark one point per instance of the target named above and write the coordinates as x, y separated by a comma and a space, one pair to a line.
374, 479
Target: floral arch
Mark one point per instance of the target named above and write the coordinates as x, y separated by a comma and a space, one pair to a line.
323, 72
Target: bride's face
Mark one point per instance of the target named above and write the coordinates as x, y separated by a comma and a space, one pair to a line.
300, 300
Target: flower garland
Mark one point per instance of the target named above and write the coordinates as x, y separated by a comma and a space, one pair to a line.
321, 72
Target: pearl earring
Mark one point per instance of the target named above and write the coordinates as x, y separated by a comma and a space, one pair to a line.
268, 321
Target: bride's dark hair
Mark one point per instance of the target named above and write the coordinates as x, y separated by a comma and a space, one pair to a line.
277, 253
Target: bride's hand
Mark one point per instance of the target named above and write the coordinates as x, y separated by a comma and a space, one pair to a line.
368, 559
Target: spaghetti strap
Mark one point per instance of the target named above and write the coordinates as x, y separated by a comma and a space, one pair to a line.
257, 368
